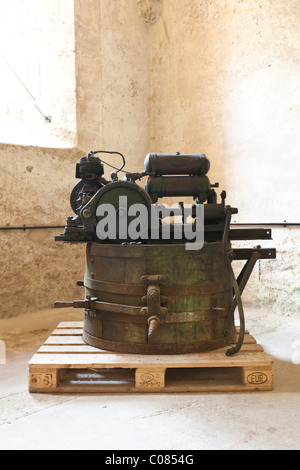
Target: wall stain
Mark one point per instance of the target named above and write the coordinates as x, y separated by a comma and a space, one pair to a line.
150, 10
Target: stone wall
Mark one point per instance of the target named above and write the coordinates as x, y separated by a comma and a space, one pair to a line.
275, 284
35, 190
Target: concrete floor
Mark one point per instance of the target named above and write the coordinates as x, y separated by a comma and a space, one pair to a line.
220, 421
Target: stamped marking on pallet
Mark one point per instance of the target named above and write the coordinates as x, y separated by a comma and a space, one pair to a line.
42, 380
150, 379
257, 378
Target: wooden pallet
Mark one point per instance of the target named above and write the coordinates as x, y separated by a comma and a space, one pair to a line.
65, 364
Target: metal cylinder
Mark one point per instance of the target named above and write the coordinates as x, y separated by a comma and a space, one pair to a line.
196, 186
167, 164
158, 299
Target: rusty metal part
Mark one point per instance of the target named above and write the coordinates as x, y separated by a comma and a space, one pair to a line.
247, 269
235, 349
244, 277
163, 348
154, 310
118, 288
89, 168
153, 323
245, 253
250, 234
132, 314
90, 171
95, 304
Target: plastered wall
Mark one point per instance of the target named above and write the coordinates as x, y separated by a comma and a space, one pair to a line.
113, 79
37, 69
225, 82
36, 270
219, 77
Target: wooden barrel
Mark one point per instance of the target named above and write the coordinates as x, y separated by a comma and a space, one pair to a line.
158, 299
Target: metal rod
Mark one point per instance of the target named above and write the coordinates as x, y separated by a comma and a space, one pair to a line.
268, 224
41, 227
244, 276
235, 349
25, 227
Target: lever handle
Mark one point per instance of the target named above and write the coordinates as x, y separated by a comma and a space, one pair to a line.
74, 304
63, 304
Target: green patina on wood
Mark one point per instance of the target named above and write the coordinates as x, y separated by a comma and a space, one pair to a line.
196, 291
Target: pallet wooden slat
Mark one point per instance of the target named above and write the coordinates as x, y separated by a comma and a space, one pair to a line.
70, 324
67, 332
69, 349
65, 363
64, 339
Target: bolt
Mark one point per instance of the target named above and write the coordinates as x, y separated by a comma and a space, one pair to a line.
86, 213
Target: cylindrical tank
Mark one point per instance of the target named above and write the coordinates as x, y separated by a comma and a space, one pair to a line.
166, 164
170, 186
158, 299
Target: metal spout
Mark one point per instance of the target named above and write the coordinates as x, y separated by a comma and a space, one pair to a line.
153, 323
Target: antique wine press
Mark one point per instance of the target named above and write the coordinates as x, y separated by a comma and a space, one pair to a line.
148, 293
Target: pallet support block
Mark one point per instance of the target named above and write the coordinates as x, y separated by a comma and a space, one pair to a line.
150, 379
260, 377
66, 364
43, 379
